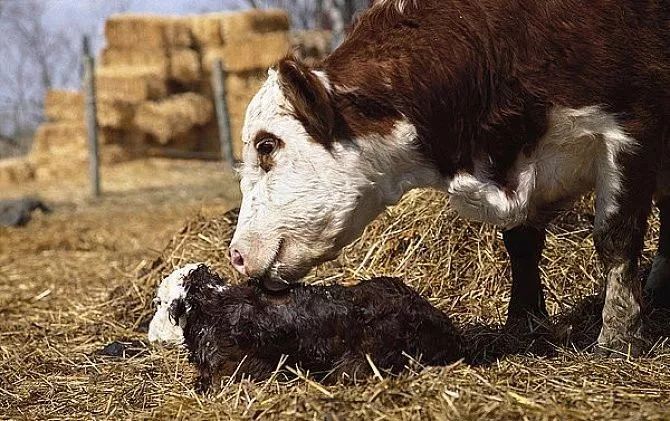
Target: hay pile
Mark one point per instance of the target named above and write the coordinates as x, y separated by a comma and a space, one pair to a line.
461, 268
51, 368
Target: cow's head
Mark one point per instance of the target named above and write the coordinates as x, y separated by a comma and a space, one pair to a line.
309, 185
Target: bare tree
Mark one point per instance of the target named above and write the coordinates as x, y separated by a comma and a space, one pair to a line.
35, 58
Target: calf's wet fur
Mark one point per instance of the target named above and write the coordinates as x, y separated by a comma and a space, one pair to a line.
329, 331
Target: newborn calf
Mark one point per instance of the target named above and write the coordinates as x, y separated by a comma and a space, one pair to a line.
326, 330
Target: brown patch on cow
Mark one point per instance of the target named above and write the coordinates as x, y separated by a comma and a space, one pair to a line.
266, 159
311, 101
478, 85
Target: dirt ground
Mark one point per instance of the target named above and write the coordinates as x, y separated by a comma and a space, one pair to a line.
81, 278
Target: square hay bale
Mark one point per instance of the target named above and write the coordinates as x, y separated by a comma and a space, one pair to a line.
173, 117
239, 24
136, 56
16, 170
60, 105
178, 32
254, 51
54, 138
185, 65
115, 114
148, 31
130, 84
130, 31
206, 29
63, 141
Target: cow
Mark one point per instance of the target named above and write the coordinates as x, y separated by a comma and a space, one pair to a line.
514, 108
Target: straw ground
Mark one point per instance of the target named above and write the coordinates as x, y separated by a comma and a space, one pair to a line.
71, 284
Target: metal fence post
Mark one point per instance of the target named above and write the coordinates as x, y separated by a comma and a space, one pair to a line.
91, 117
222, 116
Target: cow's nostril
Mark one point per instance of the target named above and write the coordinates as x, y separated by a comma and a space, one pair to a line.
236, 258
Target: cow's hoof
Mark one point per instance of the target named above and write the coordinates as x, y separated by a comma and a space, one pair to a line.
528, 324
621, 348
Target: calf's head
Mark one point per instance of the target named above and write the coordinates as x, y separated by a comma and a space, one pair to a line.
310, 181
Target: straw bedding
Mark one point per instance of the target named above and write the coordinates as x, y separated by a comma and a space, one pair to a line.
460, 267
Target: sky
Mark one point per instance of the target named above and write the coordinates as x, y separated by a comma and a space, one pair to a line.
89, 15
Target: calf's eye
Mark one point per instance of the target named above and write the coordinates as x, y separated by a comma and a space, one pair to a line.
266, 146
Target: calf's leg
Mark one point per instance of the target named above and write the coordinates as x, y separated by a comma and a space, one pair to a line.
524, 246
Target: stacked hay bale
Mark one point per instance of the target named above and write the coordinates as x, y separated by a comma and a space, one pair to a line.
60, 144
154, 84
156, 71
247, 43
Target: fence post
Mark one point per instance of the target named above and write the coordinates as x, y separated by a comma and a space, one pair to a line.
91, 117
222, 116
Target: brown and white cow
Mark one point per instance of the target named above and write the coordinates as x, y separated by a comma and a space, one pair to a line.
515, 108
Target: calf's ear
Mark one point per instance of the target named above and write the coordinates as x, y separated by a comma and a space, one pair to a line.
310, 99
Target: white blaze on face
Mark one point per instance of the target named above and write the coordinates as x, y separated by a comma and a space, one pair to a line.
316, 199
162, 327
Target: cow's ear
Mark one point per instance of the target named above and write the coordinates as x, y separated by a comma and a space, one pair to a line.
310, 99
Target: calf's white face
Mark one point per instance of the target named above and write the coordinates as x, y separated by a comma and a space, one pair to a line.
163, 328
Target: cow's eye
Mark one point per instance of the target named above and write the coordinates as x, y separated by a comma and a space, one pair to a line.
266, 146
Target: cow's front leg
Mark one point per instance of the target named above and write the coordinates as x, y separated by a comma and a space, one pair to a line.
524, 245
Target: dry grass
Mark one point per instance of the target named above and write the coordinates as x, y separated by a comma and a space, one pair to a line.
53, 327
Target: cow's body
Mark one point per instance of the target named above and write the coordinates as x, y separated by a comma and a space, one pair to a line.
515, 108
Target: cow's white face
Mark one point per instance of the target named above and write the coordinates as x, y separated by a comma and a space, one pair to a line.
305, 199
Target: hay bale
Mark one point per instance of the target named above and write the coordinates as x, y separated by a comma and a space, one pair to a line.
130, 84
173, 117
236, 26
185, 66
311, 46
16, 170
55, 142
254, 51
178, 32
53, 139
217, 29
240, 90
155, 58
115, 114
60, 105
129, 31
206, 29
